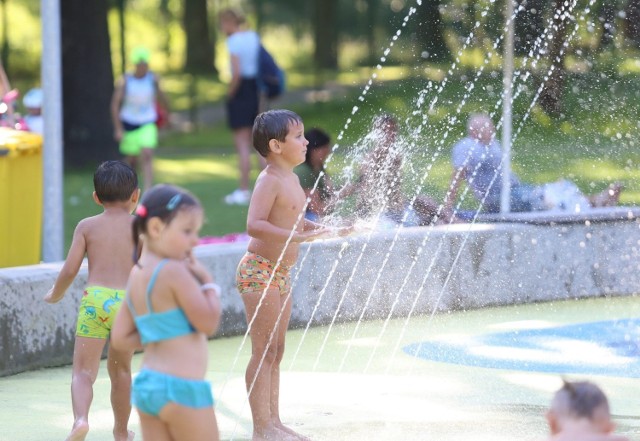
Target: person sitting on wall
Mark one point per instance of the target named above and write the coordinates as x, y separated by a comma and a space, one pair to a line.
477, 159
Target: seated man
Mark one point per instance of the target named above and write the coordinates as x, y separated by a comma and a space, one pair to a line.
478, 159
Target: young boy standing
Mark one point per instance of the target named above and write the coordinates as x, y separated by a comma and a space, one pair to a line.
276, 226
106, 240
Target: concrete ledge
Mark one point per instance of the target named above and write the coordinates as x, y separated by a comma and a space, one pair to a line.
417, 270
600, 214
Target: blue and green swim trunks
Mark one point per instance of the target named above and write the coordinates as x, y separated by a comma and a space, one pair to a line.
98, 309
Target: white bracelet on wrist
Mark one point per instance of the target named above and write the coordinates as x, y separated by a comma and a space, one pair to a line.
214, 286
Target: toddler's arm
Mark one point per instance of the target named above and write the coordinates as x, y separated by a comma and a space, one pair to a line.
70, 268
201, 306
124, 334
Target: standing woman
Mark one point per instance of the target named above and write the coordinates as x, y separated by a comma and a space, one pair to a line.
134, 113
243, 98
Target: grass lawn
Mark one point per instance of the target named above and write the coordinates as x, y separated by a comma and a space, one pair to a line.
592, 143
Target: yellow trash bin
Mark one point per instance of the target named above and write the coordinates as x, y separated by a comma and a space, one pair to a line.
20, 197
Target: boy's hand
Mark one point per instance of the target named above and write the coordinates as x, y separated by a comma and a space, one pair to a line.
344, 231
50, 298
198, 270
318, 233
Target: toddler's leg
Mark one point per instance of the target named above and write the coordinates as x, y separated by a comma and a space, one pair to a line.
86, 361
119, 366
185, 423
263, 355
153, 428
285, 307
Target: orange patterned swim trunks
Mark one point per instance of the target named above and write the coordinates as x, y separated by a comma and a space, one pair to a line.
254, 273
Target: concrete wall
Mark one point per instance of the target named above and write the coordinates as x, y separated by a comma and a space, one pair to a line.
461, 266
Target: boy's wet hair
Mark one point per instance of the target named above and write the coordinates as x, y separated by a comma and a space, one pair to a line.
272, 124
384, 120
580, 399
114, 181
164, 202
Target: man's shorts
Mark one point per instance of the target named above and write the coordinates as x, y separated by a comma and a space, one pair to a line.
144, 137
98, 309
254, 273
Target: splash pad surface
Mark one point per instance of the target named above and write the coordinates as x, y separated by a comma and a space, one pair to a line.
340, 391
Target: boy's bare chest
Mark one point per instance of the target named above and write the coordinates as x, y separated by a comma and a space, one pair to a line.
290, 201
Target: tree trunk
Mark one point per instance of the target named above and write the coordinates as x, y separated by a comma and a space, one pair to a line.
259, 10
529, 25
167, 18
200, 51
87, 82
123, 42
551, 97
632, 22
371, 26
5, 37
430, 35
325, 33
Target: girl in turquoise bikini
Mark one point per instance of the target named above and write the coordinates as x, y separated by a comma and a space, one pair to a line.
172, 306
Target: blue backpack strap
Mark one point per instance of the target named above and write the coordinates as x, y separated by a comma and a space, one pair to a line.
152, 282
129, 302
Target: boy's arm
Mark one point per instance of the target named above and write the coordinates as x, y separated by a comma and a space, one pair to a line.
124, 333
162, 97
258, 225
116, 102
71, 266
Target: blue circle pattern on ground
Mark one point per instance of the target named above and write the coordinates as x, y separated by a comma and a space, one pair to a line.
596, 348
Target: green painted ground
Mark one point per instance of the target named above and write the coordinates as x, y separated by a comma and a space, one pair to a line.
358, 387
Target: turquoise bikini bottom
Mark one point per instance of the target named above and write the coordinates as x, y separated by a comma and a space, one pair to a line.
152, 390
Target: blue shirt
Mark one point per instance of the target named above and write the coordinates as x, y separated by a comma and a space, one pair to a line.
472, 156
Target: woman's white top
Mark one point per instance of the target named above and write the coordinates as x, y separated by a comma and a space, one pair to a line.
245, 46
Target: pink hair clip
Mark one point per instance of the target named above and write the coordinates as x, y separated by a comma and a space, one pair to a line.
141, 211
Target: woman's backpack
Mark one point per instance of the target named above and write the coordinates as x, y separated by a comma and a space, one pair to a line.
270, 76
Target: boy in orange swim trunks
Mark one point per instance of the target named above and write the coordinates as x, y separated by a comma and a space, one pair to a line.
107, 241
276, 225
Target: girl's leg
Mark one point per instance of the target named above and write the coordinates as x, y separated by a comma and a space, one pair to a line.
86, 362
147, 168
263, 354
153, 428
119, 367
185, 423
285, 307
242, 141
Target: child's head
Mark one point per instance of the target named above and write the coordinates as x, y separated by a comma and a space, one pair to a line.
318, 148
272, 125
161, 207
385, 128
115, 181
140, 57
580, 400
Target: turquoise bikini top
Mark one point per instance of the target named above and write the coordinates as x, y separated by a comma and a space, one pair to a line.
154, 327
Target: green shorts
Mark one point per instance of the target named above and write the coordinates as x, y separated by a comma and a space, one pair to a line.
98, 309
144, 137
